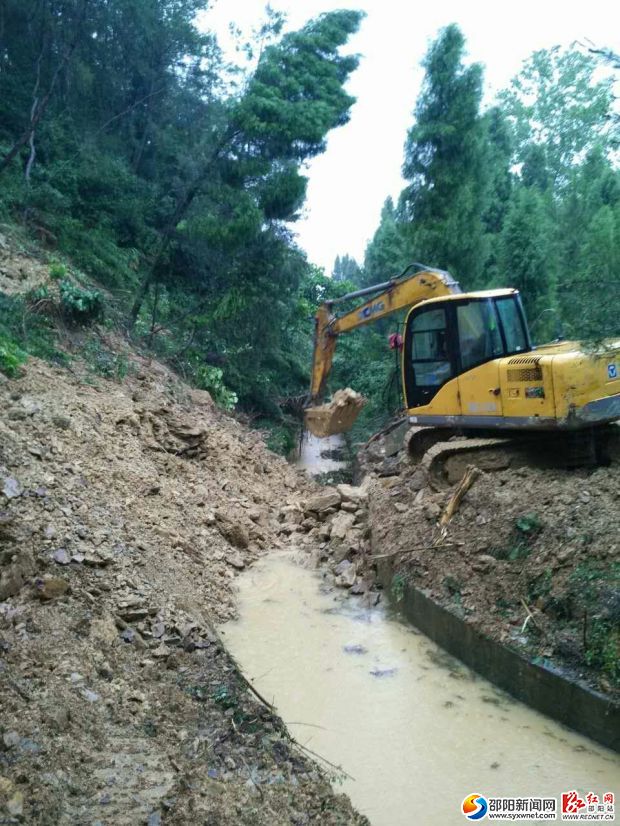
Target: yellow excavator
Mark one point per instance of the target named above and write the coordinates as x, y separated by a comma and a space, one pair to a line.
469, 368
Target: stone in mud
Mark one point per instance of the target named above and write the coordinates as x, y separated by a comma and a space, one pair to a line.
347, 574
236, 561
484, 563
234, 532
51, 588
15, 806
329, 498
351, 493
11, 488
341, 524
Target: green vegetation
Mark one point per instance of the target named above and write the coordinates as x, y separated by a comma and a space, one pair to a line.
171, 180
79, 305
519, 544
11, 357
594, 591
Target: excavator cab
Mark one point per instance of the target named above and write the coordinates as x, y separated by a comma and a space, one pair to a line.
448, 336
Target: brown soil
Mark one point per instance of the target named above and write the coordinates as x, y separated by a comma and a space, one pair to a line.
126, 511
531, 557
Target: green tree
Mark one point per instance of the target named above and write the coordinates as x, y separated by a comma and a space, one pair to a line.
444, 164
385, 254
346, 268
528, 259
558, 103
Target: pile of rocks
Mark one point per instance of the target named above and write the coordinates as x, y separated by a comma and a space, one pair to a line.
332, 526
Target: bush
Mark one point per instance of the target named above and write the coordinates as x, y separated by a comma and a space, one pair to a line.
11, 357
212, 379
80, 305
106, 363
57, 271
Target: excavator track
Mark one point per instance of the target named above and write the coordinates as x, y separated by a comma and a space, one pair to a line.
446, 455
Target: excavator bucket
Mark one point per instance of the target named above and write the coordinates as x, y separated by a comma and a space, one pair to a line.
337, 416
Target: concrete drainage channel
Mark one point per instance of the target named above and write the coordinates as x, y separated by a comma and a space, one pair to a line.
412, 728
539, 686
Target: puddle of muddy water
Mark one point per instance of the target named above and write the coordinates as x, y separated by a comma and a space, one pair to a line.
416, 730
317, 456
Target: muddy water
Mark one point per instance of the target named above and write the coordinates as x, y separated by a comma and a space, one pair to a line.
416, 731
314, 454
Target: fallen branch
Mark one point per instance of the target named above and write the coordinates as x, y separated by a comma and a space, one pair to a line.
471, 474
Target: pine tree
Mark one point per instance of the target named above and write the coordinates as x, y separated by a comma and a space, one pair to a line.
444, 164
385, 254
528, 259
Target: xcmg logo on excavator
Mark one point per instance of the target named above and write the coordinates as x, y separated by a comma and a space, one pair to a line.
369, 311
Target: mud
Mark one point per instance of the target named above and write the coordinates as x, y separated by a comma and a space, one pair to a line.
126, 511
405, 721
531, 557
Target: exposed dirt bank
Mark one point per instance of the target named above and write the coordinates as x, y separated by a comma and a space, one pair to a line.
530, 558
125, 513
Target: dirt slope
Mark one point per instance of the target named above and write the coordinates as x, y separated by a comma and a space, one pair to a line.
531, 557
125, 513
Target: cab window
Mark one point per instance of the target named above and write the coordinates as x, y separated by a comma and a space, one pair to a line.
480, 339
512, 322
432, 366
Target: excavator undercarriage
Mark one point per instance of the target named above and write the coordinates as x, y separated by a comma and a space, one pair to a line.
445, 454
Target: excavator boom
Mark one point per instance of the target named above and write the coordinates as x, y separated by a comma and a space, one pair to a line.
405, 291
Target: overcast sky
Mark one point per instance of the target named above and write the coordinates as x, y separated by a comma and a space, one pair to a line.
361, 167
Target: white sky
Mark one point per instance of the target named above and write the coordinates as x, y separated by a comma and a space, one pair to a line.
361, 167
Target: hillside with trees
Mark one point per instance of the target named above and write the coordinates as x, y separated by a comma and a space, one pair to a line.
525, 194
165, 184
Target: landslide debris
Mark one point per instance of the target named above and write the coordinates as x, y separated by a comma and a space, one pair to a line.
126, 511
530, 557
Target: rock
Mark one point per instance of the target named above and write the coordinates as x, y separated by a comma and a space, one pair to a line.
234, 532
91, 696
236, 560
11, 488
350, 493
400, 507
346, 574
62, 422
61, 556
51, 588
355, 649
329, 498
161, 652
15, 806
383, 672
341, 524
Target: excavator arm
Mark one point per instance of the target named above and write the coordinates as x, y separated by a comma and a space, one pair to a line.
387, 298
